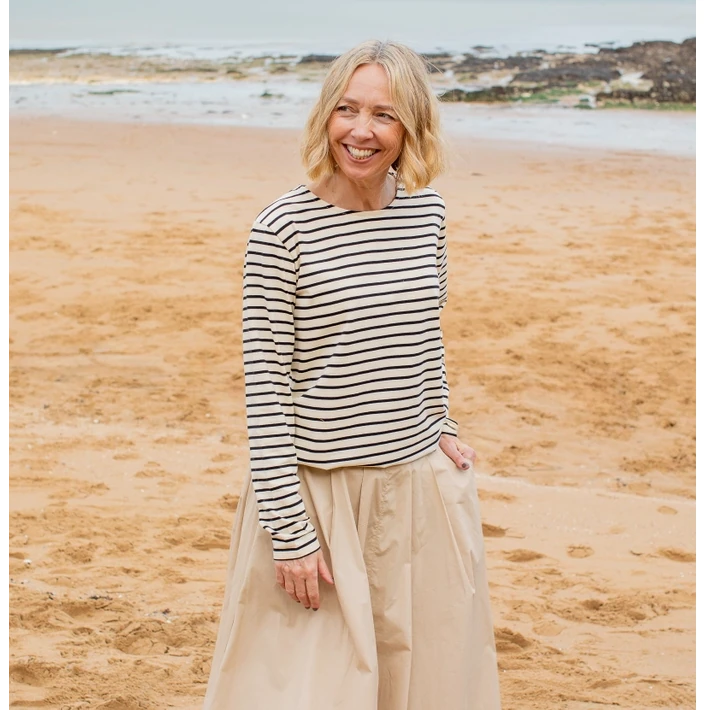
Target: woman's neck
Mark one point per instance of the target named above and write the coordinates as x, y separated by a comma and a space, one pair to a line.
341, 192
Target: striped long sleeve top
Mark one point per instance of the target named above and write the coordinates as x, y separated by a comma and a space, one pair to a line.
343, 351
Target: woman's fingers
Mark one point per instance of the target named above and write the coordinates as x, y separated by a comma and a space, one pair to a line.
290, 587
447, 443
312, 592
302, 593
466, 451
300, 578
452, 447
323, 568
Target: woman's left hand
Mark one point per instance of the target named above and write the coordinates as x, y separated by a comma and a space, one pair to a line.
461, 454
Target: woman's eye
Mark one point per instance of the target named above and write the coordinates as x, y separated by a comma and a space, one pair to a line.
343, 109
386, 116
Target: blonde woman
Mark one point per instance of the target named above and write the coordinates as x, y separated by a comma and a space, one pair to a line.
361, 505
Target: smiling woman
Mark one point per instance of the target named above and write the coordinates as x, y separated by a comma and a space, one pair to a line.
357, 103
357, 476
365, 137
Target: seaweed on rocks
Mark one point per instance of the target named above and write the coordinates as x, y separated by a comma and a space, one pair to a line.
492, 94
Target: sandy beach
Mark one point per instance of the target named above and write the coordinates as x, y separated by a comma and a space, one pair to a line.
570, 339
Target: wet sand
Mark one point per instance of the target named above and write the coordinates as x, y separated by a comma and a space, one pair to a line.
570, 347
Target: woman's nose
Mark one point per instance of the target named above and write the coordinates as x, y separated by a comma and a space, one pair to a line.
362, 127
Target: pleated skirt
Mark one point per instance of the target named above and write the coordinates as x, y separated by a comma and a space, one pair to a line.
407, 625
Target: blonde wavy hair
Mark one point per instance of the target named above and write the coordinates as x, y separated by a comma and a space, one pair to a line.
416, 105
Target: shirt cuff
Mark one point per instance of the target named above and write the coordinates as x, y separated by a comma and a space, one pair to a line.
449, 426
296, 549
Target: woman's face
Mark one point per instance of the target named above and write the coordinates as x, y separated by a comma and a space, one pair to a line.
364, 133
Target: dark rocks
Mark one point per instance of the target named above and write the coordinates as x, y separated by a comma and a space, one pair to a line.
569, 75
38, 52
479, 65
317, 59
666, 89
630, 96
672, 87
490, 95
647, 56
674, 77
670, 66
537, 76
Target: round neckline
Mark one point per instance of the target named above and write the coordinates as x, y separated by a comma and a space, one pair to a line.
347, 211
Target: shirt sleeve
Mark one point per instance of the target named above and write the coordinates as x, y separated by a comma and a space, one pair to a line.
268, 334
449, 426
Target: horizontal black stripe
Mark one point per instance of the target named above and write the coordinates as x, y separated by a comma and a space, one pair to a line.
394, 457
391, 283
322, 404
400, 333
362, 305
370, 370
435, 338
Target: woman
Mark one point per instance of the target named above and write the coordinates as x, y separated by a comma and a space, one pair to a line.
362, 500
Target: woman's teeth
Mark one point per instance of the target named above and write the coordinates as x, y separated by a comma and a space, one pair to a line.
360, 154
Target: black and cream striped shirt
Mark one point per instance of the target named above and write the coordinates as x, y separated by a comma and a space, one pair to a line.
343, 352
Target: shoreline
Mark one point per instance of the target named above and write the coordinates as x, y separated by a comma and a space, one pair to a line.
616, 130
653, 71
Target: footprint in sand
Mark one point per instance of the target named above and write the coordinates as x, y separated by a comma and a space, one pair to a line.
675, 554
152, 469
222, 458
522, 555
493, 530
667, 510
213, 540
32, 672
121, 702
127, 456
579, 551
508, 640
490, 495
141, 638
229, 502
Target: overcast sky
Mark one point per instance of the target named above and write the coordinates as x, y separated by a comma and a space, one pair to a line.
121, 21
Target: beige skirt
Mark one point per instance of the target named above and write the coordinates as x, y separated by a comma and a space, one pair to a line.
407, 625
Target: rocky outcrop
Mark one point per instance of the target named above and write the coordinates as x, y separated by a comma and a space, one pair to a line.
317, 59
479, 65
492, 95
666, 68
649, 55
569, 74
670, 66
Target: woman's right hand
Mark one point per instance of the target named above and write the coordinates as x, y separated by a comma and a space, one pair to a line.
300, 578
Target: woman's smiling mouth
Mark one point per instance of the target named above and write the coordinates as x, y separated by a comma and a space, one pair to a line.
360, 153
